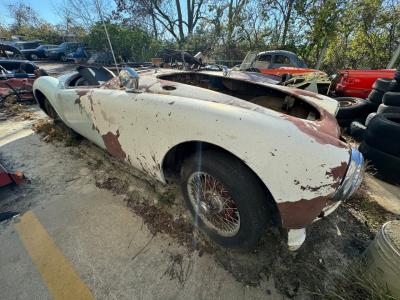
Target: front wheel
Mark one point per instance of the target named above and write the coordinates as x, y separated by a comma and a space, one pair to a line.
226, 199
63, 57
50, 111
34, 57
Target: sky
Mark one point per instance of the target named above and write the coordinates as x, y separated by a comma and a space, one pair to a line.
45, 8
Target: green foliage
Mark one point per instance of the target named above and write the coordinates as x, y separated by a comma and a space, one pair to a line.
131, 43
366, 37
329, 34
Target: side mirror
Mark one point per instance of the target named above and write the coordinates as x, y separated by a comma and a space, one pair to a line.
129, 79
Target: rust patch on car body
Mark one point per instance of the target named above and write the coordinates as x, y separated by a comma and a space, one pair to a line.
298, 214
338, 173
113, 146
80, 93
325, 132
301, 92
314, 188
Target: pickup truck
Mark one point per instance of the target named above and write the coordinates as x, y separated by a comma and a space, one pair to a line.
358, 83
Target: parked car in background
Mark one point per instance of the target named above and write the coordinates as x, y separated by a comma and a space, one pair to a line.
288, 66
61, 51
12, 60
358, 83
82, 53
276, 62
38, 52
8, 51
16, 74
22, 45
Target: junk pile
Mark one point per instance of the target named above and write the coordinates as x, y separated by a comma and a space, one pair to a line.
375, 122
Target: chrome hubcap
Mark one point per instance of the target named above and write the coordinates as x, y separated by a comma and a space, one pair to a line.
213, 204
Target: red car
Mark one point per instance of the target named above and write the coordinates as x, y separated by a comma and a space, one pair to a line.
358, 83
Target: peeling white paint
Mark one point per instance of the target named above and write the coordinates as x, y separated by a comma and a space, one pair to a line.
291, 163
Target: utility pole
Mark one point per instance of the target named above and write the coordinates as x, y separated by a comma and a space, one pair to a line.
394, 58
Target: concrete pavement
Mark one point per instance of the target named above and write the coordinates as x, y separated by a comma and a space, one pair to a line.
95, 236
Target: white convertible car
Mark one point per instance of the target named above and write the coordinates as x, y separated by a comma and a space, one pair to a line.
244, 153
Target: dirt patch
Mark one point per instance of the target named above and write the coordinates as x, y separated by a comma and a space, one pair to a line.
51, 132
9, 107
318, 268
179, 269
367, 211
160, 216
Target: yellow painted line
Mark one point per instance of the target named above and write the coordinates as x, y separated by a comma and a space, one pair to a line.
58, 274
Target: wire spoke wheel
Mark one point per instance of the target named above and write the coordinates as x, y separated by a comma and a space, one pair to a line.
213, 203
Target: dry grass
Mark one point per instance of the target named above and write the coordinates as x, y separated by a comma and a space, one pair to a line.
52, 132
366, 210
355, 283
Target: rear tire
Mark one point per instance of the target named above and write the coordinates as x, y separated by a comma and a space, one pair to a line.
369, 118
357, 131
219, 188
382, 84
384, 109
376, 96
50, 111
386, 165
383, 134
394, 86
391, 99
356, 112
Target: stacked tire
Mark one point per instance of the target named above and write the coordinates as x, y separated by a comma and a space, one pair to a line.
356, 109
381, 146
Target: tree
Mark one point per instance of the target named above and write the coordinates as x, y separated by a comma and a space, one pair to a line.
81, 13
23, 15
166, 14
128, 43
